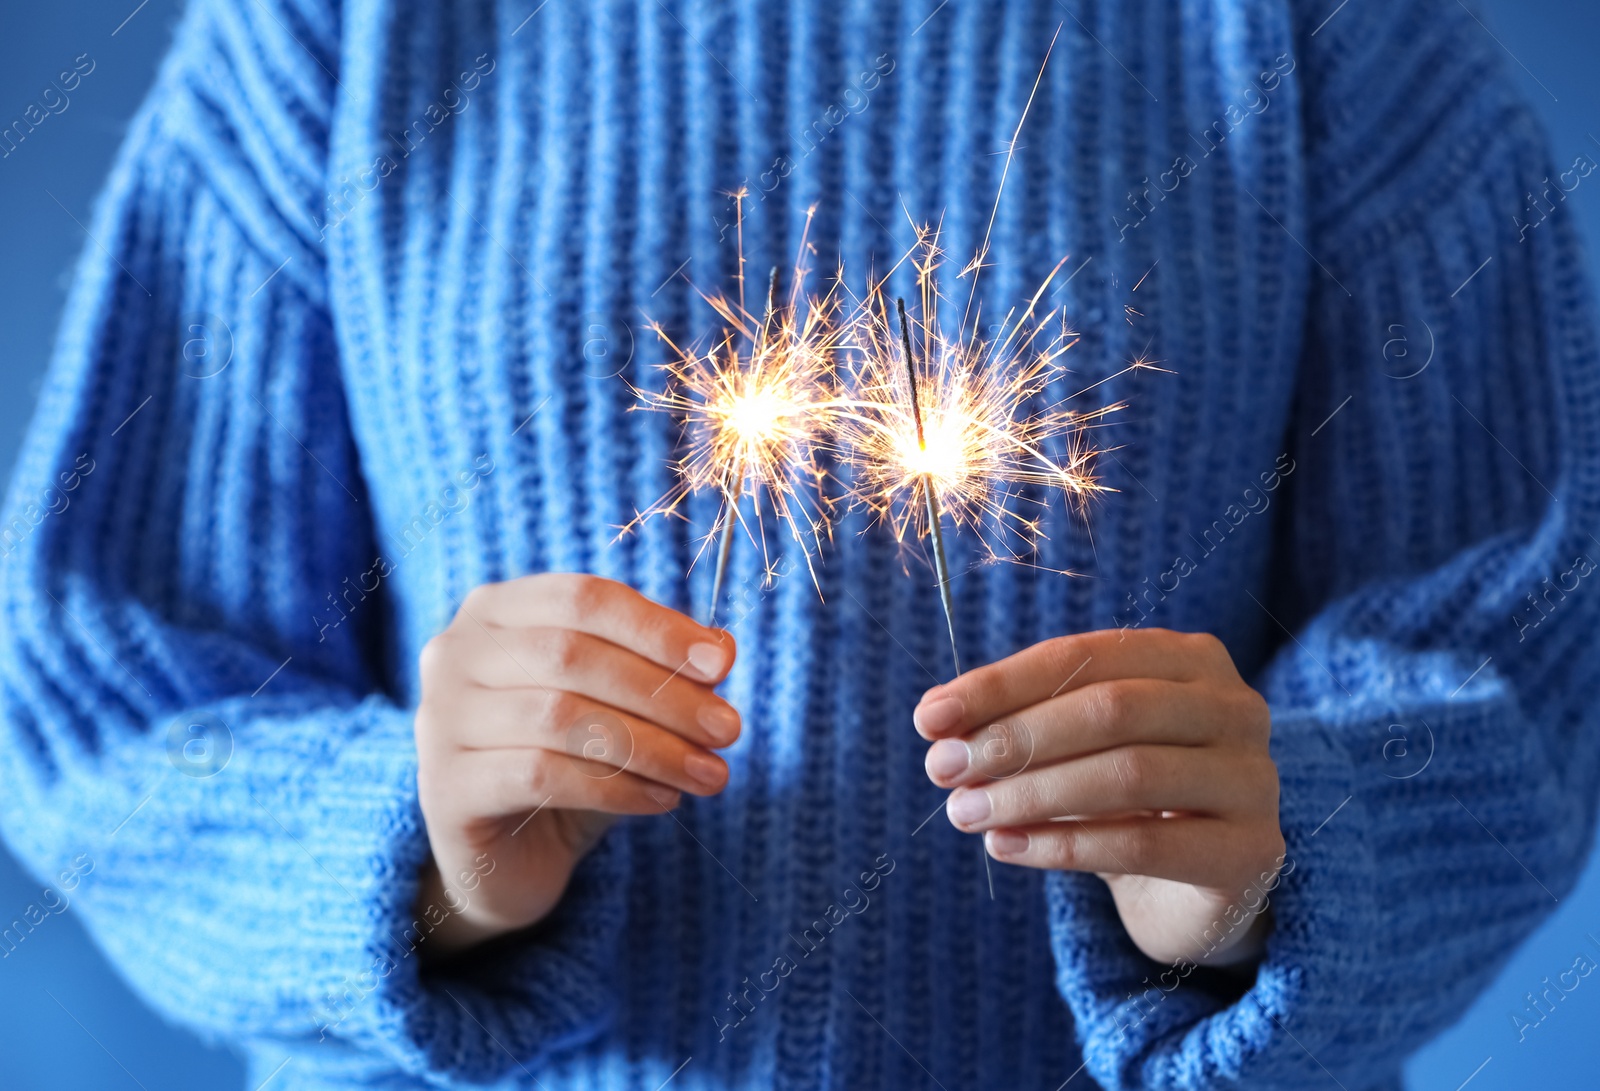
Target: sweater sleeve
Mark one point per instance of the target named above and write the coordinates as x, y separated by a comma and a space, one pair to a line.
225, 782
1434, 722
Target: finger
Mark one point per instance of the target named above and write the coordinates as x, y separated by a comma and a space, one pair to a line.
1053, 667
1078, 723
496, 783
1194, 850
607, 739
1129, 778
611, 611
566, 659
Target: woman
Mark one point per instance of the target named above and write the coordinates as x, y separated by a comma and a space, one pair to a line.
337, 667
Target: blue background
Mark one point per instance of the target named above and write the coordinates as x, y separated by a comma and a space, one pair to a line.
70, 1021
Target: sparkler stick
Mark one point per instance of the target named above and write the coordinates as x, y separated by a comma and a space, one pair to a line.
730, 516
734, 488
935, 524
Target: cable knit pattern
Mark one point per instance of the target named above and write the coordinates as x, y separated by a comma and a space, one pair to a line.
336, 358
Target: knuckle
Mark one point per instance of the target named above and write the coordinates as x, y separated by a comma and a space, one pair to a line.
536, 588
476, 599
538, 774
562, 651
1208, 648
556, 708
650, 635
1139, 847
595, 736
1022, 800
1111, 707
654, 629
1131, 772
1259, 858
1255, 715
1177, 642
433, 662
980, 686
1066, 652
584, 594
1061, 849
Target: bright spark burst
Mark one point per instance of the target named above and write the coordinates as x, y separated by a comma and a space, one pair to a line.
756, 407
989, 443
994, 445
986, 442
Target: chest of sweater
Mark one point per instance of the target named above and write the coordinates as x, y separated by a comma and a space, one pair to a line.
514, 199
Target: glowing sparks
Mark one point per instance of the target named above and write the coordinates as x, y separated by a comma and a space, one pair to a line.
756, 409
996, 436
977, 425
922, 423
989, 440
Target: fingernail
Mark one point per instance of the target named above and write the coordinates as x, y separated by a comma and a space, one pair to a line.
1007, 843
948, 759
939, 715
968, 806
703, 769
721, 723
707, 661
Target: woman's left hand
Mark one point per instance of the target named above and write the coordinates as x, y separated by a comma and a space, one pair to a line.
1140, 755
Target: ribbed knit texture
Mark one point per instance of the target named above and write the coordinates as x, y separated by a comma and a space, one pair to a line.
432, 324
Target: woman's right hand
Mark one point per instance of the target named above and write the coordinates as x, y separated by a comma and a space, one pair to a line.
550, 704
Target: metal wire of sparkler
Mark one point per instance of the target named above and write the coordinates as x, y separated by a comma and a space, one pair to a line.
935, 522
735, 485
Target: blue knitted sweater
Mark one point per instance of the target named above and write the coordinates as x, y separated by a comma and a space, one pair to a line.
367, 291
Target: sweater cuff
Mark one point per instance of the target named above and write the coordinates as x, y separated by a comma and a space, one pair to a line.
1142, 1024
495, 1010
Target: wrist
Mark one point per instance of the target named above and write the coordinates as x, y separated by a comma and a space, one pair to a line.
1243, 946
443, 918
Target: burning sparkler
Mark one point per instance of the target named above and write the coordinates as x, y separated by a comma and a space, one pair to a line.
753, 418
941, 564
756, 418
975, 432
967, 432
